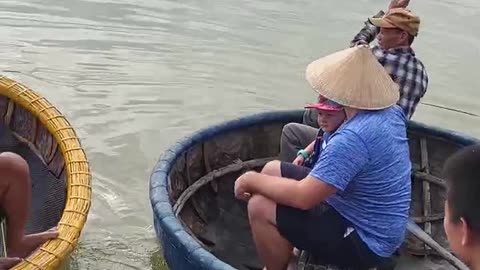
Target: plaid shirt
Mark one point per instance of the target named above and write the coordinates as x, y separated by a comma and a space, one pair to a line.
402, 65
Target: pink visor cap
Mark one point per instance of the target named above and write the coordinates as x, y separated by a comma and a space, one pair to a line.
325, 104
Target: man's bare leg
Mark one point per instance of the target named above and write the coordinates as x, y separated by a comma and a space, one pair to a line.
15, 196
273, 249
272, 168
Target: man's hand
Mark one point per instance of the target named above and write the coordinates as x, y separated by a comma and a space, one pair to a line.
241, 186
7, 263
398, 4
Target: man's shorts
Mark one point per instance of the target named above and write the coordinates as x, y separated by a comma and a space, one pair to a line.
322, 231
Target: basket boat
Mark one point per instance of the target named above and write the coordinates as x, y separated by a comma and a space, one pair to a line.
61, 180
200, 225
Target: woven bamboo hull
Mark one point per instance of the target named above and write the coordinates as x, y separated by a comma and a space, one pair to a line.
33, 128
210, 230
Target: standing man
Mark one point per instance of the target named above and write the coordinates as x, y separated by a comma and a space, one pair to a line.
395, 31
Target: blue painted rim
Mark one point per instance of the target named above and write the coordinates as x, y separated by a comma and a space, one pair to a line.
159, 179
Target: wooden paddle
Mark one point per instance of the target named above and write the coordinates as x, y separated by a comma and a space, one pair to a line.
428, 240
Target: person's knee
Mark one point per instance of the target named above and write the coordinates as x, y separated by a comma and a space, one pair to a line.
260, 208
13, 164
289, 130
272, 168
294, 137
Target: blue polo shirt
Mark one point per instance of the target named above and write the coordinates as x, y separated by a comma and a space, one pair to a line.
367, 160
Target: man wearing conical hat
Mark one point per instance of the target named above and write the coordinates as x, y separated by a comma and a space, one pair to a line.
352, 207
395, 32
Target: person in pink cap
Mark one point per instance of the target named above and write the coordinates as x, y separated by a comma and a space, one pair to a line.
330, 116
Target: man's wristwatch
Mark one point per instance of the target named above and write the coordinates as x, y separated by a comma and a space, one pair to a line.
303, 153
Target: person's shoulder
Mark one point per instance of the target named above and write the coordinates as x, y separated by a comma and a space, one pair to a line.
369, 121
345, 139
394, 113
422, 67
418, 61
396, 109
346, 131
354, 128
378, 51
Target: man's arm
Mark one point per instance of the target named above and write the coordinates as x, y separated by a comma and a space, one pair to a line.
303, 194
342, 159
368, 33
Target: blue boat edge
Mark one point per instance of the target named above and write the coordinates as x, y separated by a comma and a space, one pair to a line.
179, 248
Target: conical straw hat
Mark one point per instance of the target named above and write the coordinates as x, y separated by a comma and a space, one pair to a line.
353, 78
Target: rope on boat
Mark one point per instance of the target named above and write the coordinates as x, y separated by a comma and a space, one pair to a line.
449, 109
242, 165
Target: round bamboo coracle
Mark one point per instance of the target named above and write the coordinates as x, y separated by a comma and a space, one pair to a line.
48, 129
200, 224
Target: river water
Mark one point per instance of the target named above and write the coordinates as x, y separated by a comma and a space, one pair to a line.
135, 76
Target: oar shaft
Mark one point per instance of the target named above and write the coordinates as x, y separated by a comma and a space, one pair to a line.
420, 234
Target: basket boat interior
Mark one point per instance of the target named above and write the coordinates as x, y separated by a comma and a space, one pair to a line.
23, 134
212, 215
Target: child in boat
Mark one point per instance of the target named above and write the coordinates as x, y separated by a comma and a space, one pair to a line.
462, 214
330, 116
15, 194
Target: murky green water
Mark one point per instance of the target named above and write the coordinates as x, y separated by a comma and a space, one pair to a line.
135, 76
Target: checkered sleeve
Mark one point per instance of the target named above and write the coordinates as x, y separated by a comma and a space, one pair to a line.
367, 34
414, 86
408, 72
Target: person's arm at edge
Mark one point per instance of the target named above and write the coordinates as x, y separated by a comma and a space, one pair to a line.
340, 161
368, 33
303, 194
